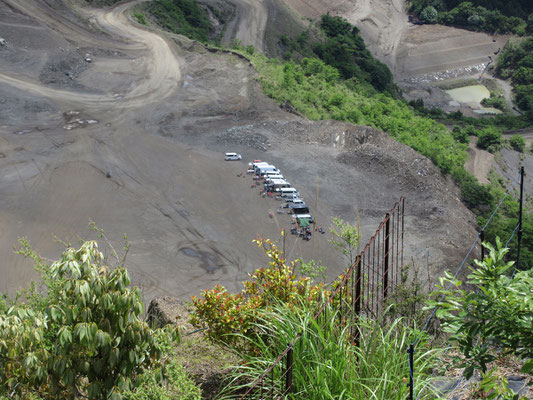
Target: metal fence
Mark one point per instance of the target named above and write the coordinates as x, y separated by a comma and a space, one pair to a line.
363, 290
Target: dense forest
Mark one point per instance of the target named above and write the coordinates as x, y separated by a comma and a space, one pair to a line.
516, 62
494, 16
342, 47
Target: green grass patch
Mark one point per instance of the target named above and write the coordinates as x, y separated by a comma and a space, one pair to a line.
326, 363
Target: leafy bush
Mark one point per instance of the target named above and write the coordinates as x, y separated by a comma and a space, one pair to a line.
429, 14
489, 139
461, 135
84, 333
495, 101
225, 313
495, 312
518, 143
140, 17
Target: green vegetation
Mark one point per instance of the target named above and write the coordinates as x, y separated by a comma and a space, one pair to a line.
326, 363
226, 314
516, 62
317, 91
494, 16
168, 383
489, 139
343, 48
495, 312
82, 334
139, 17
184, 17
495, 101
518, 143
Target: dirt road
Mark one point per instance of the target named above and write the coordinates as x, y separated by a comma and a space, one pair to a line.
134, 140
160, 69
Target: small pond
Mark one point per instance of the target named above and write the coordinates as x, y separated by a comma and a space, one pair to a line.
472, 95
469, 94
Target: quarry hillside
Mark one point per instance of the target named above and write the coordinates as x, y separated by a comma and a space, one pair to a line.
105, 120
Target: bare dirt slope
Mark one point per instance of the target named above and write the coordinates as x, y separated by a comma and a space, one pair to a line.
134, 140
409, 50
480, 162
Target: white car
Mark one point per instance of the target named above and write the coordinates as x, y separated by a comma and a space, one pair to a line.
232, 157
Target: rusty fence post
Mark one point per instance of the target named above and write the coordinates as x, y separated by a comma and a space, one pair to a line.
519, 236
386, 261
411, 352
482, 239
288, 375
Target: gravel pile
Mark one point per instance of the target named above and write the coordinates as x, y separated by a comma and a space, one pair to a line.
246, 136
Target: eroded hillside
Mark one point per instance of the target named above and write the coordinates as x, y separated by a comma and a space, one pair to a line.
105, 120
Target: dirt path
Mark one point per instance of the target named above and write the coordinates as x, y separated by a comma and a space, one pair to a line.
480, 162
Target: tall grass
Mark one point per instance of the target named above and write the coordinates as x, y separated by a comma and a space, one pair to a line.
327, 365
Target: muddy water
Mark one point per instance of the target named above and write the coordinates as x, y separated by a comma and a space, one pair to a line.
472, 95
469, 94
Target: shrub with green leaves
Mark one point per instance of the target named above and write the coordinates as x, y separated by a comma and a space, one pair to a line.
170, 382
495, 312
225, 313
83, 334
518, 143
489, 139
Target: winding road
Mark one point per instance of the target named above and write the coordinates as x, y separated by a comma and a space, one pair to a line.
161, 66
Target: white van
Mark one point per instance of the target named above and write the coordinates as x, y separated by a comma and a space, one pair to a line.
260, 166
289, 191
269, 168
257, 165
278, 184
232, 157
293, 198
270, 178
273, 174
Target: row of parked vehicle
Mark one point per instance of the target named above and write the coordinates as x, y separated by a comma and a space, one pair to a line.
277, 186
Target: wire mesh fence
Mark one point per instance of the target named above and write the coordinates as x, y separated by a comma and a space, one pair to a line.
363, 290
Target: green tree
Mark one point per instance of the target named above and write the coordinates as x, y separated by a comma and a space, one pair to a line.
460, 135
345, 238
84, 334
